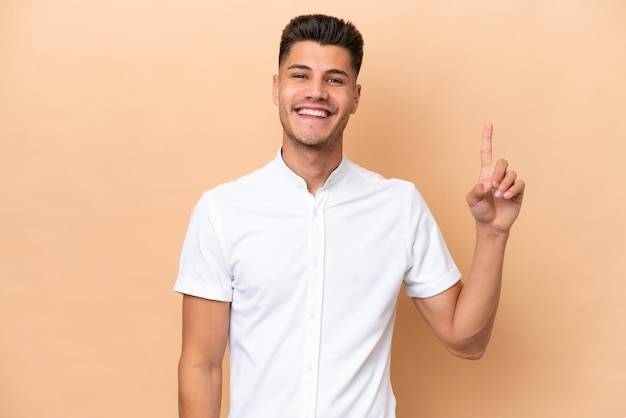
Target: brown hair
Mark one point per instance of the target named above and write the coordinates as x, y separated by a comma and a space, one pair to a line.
325, 30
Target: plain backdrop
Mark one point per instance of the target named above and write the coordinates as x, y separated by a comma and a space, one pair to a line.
116, 115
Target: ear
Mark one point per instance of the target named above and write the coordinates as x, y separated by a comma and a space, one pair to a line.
357, 98
275, 89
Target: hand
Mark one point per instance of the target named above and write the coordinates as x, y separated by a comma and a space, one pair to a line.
496, 200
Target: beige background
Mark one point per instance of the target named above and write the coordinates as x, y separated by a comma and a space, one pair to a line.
115, 115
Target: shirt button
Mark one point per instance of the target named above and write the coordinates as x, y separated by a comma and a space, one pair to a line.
309, 367
315, 213
316, 263
312, 315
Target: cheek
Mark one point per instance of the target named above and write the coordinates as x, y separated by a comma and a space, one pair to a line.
283, 96
349, 104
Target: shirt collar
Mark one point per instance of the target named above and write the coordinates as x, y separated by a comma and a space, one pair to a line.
294, 179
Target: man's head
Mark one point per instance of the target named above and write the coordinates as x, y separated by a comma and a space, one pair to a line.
325, 30
316, 87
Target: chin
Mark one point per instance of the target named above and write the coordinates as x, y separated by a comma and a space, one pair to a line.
323, 143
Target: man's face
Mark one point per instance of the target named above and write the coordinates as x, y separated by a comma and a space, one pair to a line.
316, 92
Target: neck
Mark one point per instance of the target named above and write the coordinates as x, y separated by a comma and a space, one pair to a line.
314, 165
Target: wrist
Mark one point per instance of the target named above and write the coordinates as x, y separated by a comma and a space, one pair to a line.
491, 232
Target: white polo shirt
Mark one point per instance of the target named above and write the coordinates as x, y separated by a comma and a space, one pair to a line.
313, 283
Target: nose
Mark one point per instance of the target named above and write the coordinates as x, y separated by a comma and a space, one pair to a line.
316, 89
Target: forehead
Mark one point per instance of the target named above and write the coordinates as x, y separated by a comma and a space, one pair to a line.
318, 57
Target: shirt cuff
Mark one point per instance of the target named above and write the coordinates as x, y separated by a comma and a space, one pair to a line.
203, 290
435, 287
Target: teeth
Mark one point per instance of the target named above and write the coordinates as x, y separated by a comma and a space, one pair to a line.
311, 112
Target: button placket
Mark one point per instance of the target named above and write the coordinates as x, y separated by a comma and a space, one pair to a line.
314, 305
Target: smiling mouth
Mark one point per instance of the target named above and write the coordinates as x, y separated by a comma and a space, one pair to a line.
313, 112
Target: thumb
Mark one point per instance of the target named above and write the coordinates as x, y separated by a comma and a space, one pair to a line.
476, 195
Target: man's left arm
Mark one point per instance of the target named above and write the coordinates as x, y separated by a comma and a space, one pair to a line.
463, 316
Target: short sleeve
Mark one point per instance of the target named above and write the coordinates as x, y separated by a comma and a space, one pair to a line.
432, 269
203, 270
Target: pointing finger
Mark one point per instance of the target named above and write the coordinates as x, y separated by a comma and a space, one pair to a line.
486, 169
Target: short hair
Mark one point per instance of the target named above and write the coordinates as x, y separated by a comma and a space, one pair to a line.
325, 30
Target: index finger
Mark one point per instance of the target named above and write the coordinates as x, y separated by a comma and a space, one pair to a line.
486, 169
485, 148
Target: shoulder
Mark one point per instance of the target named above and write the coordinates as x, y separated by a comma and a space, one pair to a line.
244, 184
378, 181
240, 192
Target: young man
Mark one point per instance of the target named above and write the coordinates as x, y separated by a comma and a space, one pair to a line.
298, 265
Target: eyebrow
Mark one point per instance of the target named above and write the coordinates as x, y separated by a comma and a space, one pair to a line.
331, 71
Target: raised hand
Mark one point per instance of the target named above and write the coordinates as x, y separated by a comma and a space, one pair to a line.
496, 200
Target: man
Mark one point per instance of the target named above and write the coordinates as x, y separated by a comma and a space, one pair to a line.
298, 265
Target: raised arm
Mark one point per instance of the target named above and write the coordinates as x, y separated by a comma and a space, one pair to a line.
463, 316
205, 332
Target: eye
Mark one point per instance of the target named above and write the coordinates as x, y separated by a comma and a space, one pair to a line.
334, 80
299, 76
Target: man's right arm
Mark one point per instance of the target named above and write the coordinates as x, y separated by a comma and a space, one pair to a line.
205, 332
